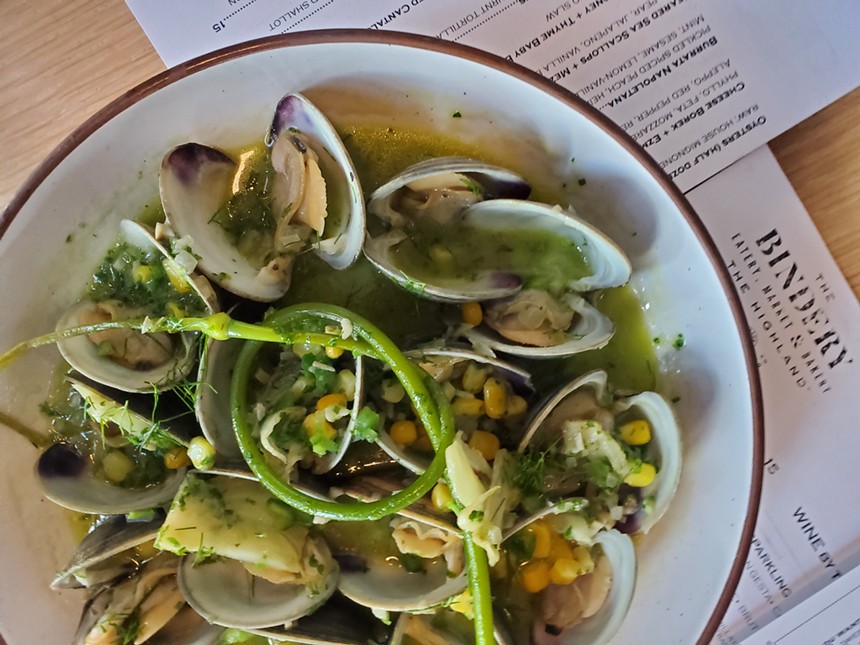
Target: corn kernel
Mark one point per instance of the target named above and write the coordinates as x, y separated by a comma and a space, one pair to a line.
535, 575
495, 398
333, 352
201, 453
441, 496
564, 571
486, 443
331, 400
472, 313
636, 433
516, 405
403, 433
142, 273
474, 378
392, 391
176, 458
561, 549
316, 423
543, 539
582, 555
642, 477
468, 406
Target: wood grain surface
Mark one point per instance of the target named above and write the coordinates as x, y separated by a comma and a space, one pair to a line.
62, 61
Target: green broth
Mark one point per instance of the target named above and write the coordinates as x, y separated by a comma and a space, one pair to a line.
544, 260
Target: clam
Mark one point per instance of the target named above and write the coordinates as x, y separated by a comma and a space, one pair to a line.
71, 479
585, 422
125, 359
533, 324
107, 552
248, 560
135, 609
90, 474
591, 608
433, 195
414, 572
247, 234
471, 371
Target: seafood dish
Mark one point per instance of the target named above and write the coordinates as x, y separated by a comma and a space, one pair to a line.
311, 403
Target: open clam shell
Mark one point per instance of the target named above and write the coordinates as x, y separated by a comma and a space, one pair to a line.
616, 569
440, 189
151, 595
197, 180
224, 593
665, 448
68, 478
340, 245
607, 265
148, 362
589, 330
384, 583
99, 556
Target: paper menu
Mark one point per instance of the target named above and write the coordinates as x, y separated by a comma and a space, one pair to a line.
831, 617
698, 83
806, 328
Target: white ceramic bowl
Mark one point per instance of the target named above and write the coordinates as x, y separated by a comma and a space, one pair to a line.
689, 564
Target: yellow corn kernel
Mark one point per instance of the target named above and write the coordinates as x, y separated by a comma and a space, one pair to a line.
177, 276
474, 378
535, 575
543, 539
468, 406
486, 443
403, 433
333, 352
561, 548
316, 423
331, 400
142, 273
583, 556
636, 433
176, 458
516, 405
642, 477
564, 571
441, 496
176, 311
495, 398
472, 313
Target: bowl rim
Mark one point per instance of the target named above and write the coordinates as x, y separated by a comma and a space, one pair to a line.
571, 100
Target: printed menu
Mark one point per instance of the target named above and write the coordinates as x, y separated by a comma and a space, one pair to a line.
701, 85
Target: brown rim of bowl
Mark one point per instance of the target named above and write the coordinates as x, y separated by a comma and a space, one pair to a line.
341, 36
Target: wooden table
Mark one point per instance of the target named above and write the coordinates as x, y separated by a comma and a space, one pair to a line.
62, 61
